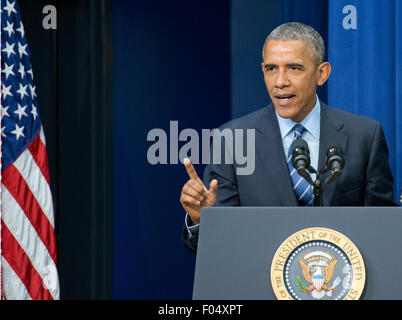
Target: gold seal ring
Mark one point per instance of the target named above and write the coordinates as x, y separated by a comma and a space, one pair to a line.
318, 264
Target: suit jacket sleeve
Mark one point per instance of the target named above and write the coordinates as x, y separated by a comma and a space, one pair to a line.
379, 184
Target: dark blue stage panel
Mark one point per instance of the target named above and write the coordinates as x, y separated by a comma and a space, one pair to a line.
171, 63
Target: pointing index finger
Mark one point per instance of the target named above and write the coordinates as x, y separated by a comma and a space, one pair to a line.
192, 173
190, 169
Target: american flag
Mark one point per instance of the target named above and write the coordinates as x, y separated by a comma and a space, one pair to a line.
28, 244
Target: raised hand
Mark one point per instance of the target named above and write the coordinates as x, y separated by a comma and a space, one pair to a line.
194, 194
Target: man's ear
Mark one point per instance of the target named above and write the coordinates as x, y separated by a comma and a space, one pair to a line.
262, 67
323, 72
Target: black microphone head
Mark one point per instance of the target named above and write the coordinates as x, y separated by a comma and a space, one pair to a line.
300, 143
300, 155
334, 145
335, 153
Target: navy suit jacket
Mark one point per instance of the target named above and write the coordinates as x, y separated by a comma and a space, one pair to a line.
366, 179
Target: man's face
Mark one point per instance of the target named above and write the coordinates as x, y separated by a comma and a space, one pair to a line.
291, 75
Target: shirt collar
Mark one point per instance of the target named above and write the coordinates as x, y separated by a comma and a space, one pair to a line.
311, 122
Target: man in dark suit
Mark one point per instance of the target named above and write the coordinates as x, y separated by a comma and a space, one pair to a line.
293, 66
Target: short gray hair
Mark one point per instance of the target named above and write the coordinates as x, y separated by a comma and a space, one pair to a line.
299, 31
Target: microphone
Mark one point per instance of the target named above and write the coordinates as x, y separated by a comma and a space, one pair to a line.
335, 161
301, 158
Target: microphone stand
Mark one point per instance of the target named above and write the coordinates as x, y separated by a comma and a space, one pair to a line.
317, 187
317, 190
316, 184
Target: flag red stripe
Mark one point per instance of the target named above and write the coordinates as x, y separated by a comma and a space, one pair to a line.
38, 151
18, 188
22, 266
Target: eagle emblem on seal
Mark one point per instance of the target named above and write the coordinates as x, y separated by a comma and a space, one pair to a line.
318, 269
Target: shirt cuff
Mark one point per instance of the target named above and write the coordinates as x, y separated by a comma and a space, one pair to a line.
190, 229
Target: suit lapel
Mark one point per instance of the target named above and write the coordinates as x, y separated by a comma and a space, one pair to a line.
269, 150
329, 133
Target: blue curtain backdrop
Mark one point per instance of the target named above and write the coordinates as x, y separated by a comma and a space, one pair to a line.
364, 48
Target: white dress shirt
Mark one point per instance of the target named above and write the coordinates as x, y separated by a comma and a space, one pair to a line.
312, 134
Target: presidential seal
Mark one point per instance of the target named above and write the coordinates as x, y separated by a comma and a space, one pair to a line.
318, 264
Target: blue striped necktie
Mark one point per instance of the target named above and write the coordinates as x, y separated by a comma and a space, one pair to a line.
302, 188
